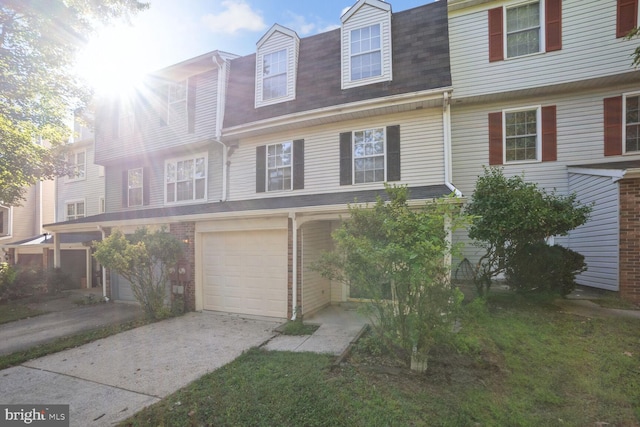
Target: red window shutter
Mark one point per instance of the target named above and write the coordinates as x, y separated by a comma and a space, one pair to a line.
613, 126
496, 39
495, 138
553, 24
627, 17
549, 134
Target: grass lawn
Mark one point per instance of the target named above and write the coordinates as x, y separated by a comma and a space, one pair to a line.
12, 311
517, 363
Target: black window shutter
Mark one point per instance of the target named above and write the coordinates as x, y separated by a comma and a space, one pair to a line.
298, 164
346, 159
191, 104
125, 189
146, 179
261, 165
393, 153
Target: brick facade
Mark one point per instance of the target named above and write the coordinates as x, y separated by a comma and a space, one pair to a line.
630, 239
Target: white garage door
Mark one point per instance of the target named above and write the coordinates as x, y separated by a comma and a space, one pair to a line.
246, 272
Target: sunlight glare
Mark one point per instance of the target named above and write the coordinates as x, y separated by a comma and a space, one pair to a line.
112, 62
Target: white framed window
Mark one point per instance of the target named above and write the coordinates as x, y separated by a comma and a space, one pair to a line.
100, 171
279, 166
77, 162
102, 207
524, 25
274, 75
75, 210
369, 155
522, 135
5, 221
631, 127
135, 183
177, 103
186, 179
365, 52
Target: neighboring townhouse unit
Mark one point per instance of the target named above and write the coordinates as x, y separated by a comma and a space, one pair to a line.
161, 158
21, 227
253, 161
545, 88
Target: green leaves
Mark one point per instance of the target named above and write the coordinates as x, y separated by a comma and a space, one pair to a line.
510, 214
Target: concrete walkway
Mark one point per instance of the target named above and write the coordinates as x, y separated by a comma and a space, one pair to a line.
109, 380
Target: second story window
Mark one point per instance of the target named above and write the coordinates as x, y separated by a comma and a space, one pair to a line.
523, 29
75, 210
186, 179
135, 180
77, 165
368, 156
279, 162
366, 56
177, 103
521, 140
126, 118
632, 123
274, 75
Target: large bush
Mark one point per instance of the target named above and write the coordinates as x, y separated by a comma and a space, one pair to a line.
509, 214
538, 267
394, 257
144, 259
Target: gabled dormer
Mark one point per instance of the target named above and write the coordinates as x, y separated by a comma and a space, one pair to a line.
276, 66
366, 44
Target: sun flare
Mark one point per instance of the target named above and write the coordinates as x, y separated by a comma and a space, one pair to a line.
112, 63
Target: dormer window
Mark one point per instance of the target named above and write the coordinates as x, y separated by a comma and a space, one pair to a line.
276, 66
274, 75
366, 56
366, 44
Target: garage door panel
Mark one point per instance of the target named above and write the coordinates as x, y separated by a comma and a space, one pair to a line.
246, 272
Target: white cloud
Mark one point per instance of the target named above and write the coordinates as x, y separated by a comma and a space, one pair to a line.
237, 15
303, 27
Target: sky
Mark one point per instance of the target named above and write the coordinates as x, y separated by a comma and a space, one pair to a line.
171, 31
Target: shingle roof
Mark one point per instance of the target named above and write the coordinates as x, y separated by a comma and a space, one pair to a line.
420, 62
283, 202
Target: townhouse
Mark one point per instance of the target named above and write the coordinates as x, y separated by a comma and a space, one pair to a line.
252, 161
545, 88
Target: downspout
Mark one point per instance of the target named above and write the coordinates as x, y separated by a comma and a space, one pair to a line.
222, 77
446, 134
294, 257
104, 271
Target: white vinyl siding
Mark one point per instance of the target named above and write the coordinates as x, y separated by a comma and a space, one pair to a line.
598, 240
363, 20
91, 188
589, 50
279, 50
316, 290
421, 154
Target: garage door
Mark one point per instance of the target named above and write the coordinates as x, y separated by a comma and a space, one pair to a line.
246, 272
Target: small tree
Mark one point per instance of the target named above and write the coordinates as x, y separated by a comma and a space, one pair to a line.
509, 214
143, 259
394, 257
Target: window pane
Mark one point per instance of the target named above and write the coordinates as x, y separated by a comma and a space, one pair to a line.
366, 58
521, 137
200, 189
279, 167
71, 210
80, 208
184, 191
523, 29
171, 192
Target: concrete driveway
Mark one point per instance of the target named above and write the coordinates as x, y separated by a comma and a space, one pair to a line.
111, 379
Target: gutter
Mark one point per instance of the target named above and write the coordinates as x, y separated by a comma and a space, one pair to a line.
222, 78
294, 255
446, 131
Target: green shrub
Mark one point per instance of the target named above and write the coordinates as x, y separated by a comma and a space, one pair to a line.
541, 268
57, 280
7, 281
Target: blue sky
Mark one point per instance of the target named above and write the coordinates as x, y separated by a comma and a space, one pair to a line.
171, 31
